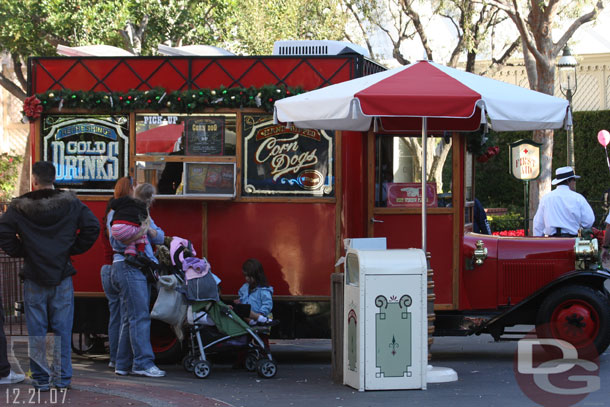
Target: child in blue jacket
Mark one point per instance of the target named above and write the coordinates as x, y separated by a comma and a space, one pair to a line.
257, 293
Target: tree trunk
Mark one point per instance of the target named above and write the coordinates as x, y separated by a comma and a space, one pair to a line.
545, 137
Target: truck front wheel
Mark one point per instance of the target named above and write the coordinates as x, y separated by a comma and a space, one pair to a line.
576, 314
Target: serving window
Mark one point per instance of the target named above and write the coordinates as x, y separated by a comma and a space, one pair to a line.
187, 155
398, 171
186, 135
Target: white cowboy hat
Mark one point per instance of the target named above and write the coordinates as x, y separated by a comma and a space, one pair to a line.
563, 174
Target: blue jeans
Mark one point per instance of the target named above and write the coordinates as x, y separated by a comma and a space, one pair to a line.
134, 351
5, 367
111, 290
50, 309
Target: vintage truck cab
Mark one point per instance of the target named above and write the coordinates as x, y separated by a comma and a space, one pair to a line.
553, 283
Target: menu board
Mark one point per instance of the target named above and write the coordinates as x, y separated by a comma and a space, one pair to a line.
205, 135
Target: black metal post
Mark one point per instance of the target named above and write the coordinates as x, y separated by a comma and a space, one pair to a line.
526, 193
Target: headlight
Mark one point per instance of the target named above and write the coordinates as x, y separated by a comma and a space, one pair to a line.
585, 250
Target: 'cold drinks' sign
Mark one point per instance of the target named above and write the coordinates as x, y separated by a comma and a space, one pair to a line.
525, 160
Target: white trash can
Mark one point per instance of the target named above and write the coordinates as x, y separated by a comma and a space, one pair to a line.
385, 330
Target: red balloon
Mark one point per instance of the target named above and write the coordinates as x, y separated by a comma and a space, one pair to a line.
603, 137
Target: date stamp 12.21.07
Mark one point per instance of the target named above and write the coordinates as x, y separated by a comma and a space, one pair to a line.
32, 396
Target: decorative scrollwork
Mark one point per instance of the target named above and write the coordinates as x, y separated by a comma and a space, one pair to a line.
289, 181
405, 301
249, 189
381, 301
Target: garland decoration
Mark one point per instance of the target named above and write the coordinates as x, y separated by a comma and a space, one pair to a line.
32, 107
482, 145
157, 100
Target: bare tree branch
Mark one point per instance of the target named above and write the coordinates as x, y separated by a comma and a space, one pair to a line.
497, 64
350, 7
575, 25
11, 87
18, 68
421, 32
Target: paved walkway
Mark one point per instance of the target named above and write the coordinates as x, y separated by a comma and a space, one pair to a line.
106, 392
94, 384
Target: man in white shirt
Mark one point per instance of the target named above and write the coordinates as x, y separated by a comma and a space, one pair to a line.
563, 211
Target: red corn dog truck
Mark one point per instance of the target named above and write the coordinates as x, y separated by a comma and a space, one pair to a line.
237, 186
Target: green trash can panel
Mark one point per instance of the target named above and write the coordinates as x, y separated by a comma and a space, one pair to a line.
393, 336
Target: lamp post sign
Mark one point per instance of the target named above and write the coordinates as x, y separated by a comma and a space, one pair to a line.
525, 165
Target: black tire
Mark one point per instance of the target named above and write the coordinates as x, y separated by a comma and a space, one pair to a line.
188, 362
166, 346
83, 343
202, 369
266, 368
251, 361
577, 314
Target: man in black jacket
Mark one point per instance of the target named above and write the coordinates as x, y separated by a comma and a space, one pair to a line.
46, 227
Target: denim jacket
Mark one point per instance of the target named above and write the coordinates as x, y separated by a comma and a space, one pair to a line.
259, 299
117, 246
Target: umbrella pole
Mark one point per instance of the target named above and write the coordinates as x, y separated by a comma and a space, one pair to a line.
424, 144
434, 374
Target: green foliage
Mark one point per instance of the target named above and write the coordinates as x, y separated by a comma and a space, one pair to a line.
35, 28
510, 221
256, 24
31, 27
589, 156
9, 174
495, 187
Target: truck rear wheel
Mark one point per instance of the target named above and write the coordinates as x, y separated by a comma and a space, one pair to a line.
576, 314
166, 346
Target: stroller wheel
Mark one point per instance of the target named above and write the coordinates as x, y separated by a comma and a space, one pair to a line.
202, 369
251, 361
188, 362
266, 368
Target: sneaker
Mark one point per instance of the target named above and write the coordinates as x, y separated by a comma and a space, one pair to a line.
121, 372
12, 378
111, 365
269, 323
60, 387
153, 371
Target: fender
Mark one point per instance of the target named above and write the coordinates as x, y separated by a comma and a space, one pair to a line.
520, 313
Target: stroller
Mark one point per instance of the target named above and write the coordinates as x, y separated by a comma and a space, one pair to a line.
212, 326
228, 334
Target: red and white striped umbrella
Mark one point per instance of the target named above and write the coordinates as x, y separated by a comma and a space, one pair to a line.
399, 99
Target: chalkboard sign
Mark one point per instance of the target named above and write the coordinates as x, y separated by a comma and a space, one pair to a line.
205, 135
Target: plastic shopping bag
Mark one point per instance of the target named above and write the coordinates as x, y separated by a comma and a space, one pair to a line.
170, 306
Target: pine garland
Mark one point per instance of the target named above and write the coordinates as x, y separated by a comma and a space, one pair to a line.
158, 99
